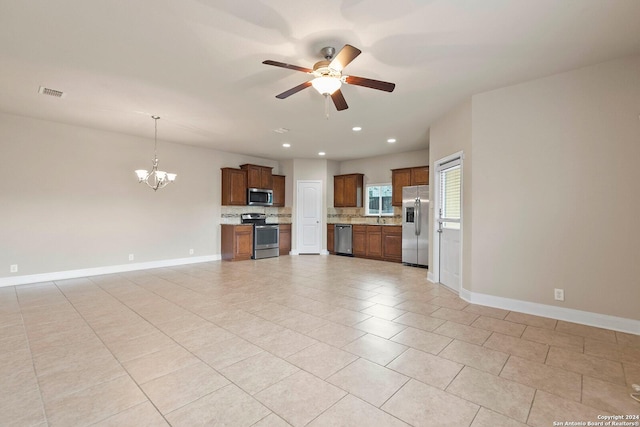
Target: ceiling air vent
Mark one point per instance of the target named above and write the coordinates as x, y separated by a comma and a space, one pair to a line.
51, 92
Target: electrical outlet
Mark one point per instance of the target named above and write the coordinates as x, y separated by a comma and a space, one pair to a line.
130, 257
558, 294
190, 251
13, 268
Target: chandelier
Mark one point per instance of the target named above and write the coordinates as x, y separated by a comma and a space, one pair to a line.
155, 179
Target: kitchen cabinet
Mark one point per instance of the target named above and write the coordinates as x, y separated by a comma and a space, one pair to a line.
330, 238
347, 190
406, 177
236, 242
234, 187
383, 242
374, 242
258, 176
359, 240
285, 239
392, 243
420, 175
278, 190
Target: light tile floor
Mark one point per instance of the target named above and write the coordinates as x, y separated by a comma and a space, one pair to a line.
306, 340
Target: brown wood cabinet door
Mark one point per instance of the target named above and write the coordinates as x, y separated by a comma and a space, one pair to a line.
266, 178
351, 191
399, 178
331, 238
244, 242
285, 239
392, 243
420, 175
234, 187
348, 191
359, 240
374, 241
278, 190
338, 191
254, 175
237, 242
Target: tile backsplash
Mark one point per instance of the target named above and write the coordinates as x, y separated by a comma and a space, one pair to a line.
357, 216
231, 214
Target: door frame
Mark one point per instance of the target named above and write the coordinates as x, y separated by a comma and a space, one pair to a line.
299, 213
434, 268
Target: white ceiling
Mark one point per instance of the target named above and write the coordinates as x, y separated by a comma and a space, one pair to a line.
198, 64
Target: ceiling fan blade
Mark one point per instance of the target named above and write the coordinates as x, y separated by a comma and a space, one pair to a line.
293, 90
370, 83
289, 66
339, 101
347, 54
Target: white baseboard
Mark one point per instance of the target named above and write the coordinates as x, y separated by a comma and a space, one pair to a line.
324, 252
85, 272
561, 313
430, 277
294, 252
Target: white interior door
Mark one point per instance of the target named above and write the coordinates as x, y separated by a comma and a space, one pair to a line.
309, 217
450, 222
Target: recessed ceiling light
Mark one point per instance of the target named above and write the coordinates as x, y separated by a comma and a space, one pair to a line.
286, 145
356, 128
322, 153
391, 140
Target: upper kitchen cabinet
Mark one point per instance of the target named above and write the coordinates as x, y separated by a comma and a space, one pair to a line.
234, 187
258, 176
406, 177
347, 190
278, 190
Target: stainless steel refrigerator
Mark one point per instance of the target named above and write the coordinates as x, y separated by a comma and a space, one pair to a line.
415, 225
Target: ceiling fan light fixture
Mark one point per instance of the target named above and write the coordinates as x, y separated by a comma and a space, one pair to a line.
326, 85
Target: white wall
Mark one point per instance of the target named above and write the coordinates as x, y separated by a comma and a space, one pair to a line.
377, 170
555, 189
70, 199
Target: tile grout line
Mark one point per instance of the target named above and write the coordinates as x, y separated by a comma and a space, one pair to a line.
127, 373
33, 365
193, 354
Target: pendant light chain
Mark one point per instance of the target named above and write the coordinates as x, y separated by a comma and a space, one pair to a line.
155, 138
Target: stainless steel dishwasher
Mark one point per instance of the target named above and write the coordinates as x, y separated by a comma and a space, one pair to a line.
343, 239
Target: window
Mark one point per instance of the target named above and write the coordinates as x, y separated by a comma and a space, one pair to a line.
378, 201
450, 186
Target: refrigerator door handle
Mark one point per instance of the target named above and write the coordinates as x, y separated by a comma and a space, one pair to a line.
416, 205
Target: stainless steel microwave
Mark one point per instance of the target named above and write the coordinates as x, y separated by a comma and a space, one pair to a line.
259, 197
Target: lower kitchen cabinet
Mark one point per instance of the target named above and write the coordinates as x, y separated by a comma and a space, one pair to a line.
359, 240
382, 242
392, 243
374, 242
236, 242
331, 230
285, 239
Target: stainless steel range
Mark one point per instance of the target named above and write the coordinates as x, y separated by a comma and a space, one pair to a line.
266, 237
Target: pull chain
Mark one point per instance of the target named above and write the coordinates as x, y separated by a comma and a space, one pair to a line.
326, 106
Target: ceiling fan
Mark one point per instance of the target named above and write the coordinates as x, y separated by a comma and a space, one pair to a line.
328, 76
